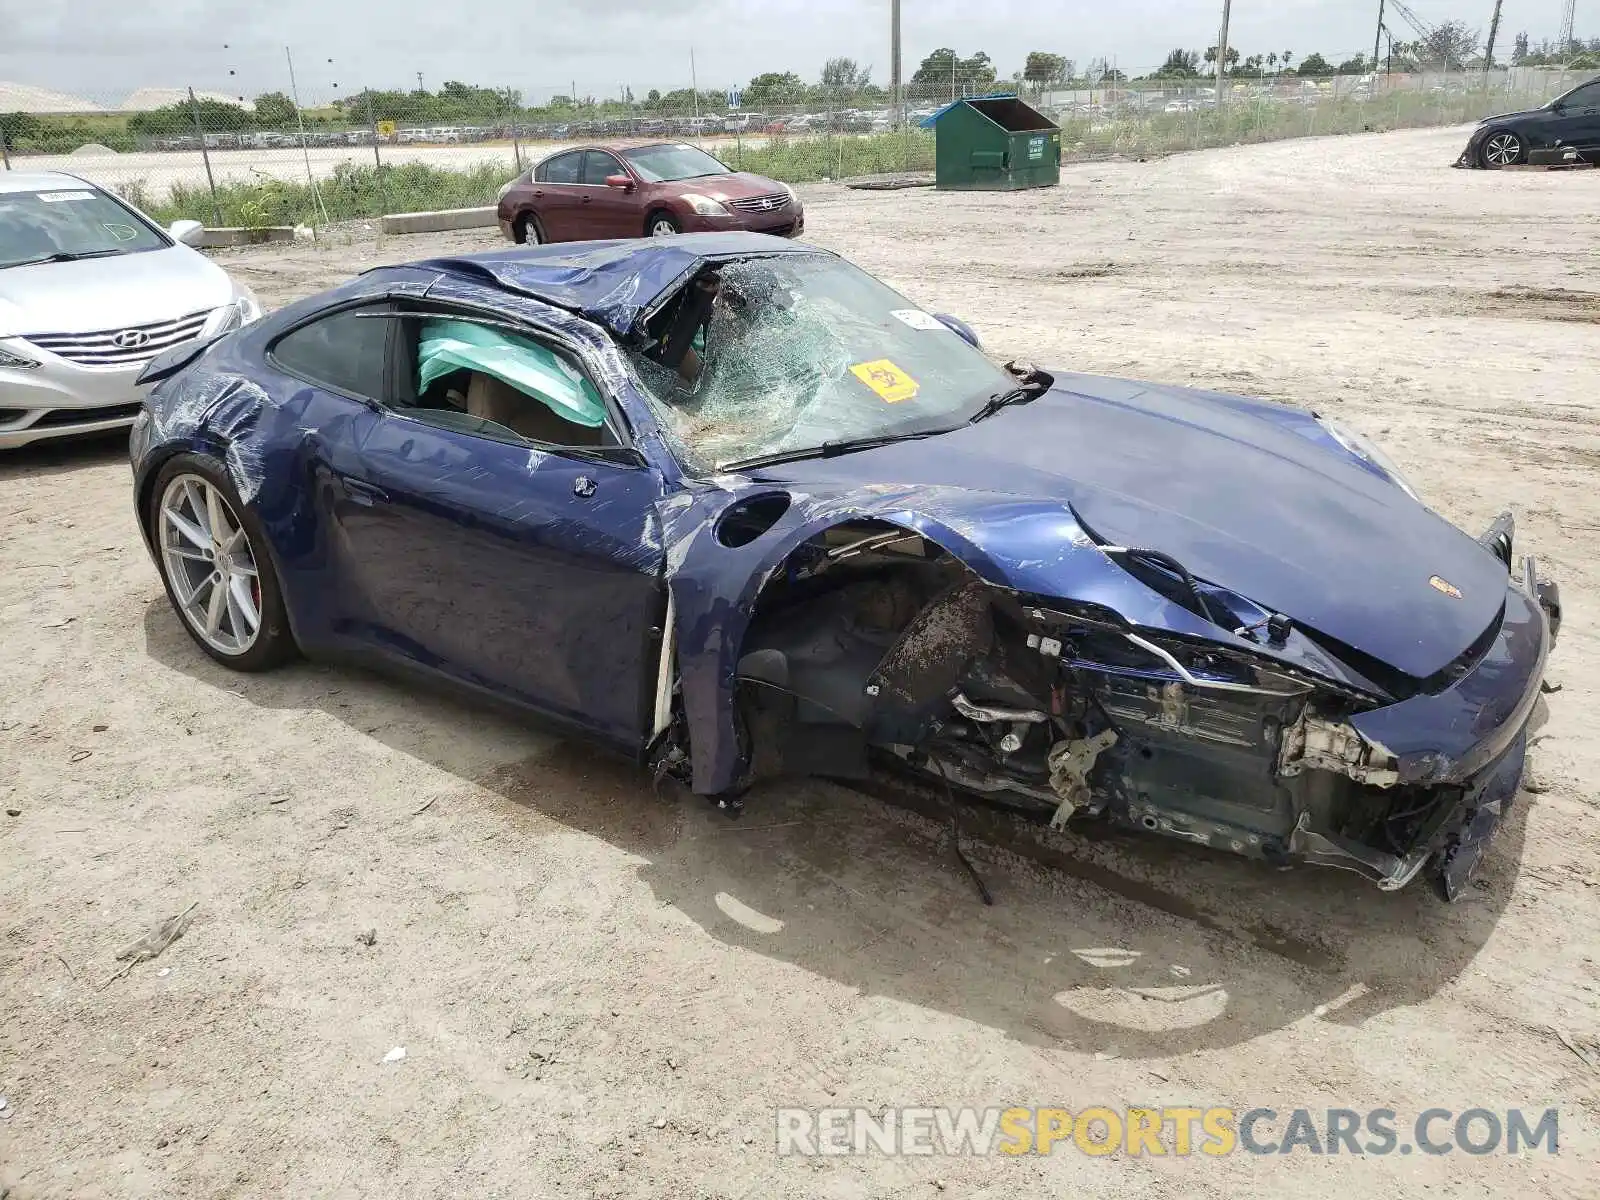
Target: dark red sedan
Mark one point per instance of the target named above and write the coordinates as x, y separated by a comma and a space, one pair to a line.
639, 191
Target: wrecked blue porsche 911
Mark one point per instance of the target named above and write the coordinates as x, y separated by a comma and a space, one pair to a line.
739, 509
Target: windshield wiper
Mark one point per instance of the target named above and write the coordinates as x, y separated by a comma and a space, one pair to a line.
63, 256
833, 449
1017, 395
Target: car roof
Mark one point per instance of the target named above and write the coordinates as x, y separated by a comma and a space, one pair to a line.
612, 148
39, 181
615, 282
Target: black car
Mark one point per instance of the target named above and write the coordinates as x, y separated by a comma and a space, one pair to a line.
1566, 128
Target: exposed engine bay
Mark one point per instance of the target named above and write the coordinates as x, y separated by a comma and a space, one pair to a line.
873, 645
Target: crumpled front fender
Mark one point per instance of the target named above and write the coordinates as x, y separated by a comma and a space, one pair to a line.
714, 587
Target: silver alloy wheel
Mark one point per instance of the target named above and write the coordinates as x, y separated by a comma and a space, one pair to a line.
1503, 149
530, 232
210, 563
663, 227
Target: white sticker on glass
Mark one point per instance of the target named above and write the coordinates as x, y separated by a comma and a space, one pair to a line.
58, 197
917, 319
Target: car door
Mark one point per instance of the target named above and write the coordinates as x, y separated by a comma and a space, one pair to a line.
1577, 121
607, 212
531, 570
556, 183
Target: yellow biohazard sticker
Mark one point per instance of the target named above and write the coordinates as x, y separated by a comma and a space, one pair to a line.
889, 381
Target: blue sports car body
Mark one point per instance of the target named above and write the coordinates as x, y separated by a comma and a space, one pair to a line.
734, 507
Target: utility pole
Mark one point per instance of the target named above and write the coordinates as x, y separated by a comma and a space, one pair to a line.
205, 157
1488, 50
895, 95
694, 86
1222, 50
1377, 36
1566, 26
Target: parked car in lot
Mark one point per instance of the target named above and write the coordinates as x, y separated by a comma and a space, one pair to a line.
1568, 126
90, 291
737, 509
618, 192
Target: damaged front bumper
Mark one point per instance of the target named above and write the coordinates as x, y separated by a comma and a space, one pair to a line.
1473, 735
1469, 740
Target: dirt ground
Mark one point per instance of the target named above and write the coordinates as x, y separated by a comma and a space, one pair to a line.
603, 994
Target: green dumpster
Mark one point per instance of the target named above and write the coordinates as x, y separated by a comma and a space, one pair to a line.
994, 143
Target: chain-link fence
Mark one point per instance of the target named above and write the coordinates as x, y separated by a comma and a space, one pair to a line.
327, 159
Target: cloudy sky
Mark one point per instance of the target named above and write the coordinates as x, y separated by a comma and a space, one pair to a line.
104, 48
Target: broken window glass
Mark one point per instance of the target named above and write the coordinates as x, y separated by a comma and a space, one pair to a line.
805, 349
449, 345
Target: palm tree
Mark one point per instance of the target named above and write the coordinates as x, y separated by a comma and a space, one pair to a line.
1287, 55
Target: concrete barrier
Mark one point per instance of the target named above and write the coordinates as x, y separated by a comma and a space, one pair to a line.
438, 222
227, 235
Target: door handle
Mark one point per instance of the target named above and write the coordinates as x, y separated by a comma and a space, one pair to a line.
365, 493
586, 199
537, 192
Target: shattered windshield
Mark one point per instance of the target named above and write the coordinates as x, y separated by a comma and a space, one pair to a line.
802, 350
657, 164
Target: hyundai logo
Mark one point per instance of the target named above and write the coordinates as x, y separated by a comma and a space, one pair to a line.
130, 339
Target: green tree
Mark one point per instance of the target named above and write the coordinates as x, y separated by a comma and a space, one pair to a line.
1519, 50
1180, 64
944, 68
179, 119
1315, 64
772, 89
1233, 57
274, 110
1043, 68
844, 74
1354, 66
19, 127
1452, 43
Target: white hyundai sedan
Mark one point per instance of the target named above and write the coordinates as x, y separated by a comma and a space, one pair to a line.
90, 291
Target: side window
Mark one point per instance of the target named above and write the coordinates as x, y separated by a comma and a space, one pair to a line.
346, 351
497, 383
1585, 97
597, 164
563, 168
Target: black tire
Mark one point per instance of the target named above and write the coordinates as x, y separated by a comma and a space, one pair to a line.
661, 217
274, 641
528, 224
1502, 148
